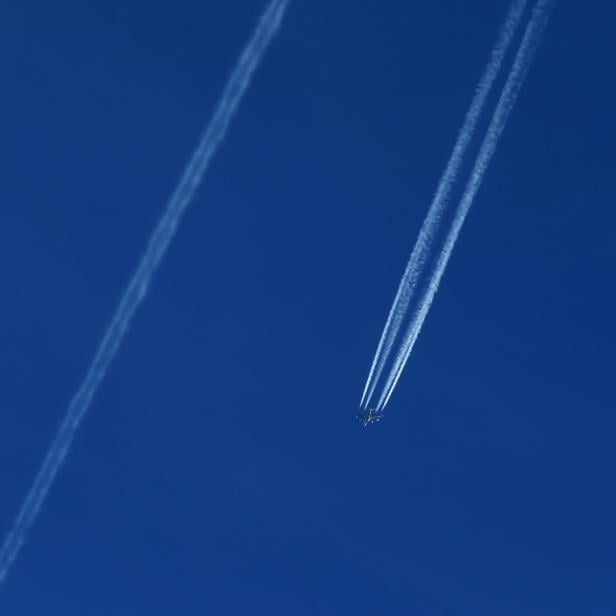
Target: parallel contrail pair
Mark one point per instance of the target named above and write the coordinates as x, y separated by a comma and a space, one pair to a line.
138, 286
431, 224
430, 228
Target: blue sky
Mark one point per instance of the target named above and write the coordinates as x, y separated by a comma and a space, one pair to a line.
221, 470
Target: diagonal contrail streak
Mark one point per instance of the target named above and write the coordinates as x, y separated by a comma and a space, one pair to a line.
515, 80
423, 246
138, 286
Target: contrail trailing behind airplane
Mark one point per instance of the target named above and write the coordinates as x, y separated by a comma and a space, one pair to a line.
138, 286
507, 100
431, 224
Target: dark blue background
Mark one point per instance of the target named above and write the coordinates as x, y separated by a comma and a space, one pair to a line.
220, 471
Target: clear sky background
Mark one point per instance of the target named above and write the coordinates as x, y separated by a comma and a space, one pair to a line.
221, 470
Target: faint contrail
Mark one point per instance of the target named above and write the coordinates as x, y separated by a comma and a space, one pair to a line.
431, 223
515, 80
138, 285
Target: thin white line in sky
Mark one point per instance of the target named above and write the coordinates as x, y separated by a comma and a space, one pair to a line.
138, 286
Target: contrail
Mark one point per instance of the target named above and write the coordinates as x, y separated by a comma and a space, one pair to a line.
138, 286
515, 80
432, 221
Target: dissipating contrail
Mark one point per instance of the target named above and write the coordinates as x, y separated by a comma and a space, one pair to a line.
433, 220
515, 80
137, 288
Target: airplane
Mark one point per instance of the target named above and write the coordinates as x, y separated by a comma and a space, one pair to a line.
369, 417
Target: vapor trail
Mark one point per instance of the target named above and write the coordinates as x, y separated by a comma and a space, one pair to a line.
515, 80
432, 221
138, 285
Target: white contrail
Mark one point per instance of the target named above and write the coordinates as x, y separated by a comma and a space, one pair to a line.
138, 285
515, 80
432, 221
